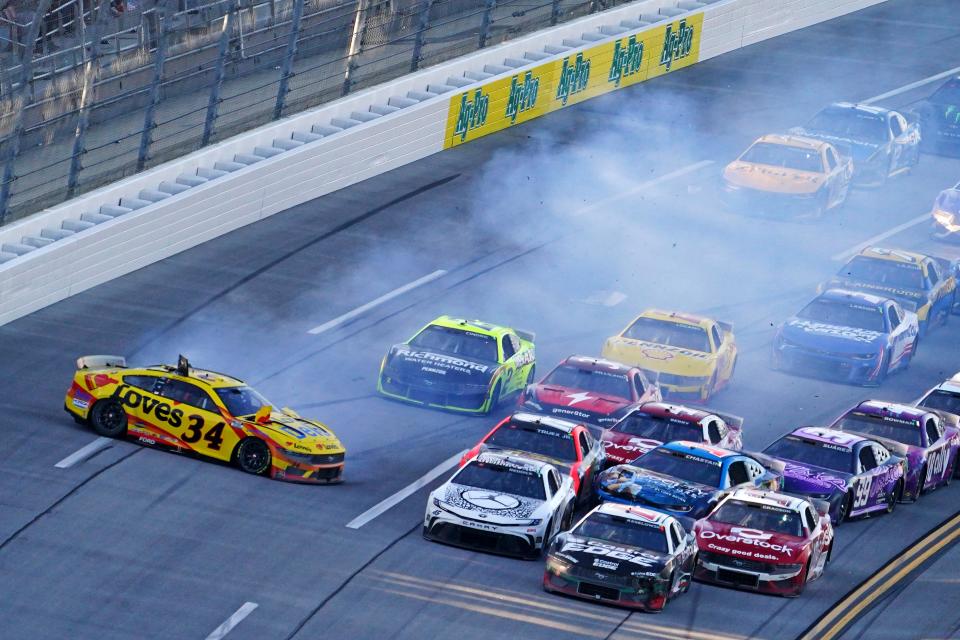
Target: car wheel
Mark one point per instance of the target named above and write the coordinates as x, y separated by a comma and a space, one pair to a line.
830, 552
845, 508
803, 585
108, 419
252, 455
894, 498
494, 399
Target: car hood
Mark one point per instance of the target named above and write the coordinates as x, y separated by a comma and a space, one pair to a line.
743, 542
654, 489
575, 404
659, 358
773, 179
610, 558
297, 434
830, 337
501, 505
812, 479
404, 360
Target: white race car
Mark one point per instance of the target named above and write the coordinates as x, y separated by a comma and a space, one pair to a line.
501, 502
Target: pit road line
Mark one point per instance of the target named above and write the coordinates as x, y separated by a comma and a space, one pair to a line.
399, 291
232, 621
381, 507
911, 86
843, 255
83, 453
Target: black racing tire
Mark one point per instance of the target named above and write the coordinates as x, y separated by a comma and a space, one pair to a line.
894, 498
845, 509
920, 490
803, 585
108, 418
830, 552
494, 400
252, 455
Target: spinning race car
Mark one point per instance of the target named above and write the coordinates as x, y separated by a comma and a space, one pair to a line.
589, 390
856, 475
627, 556
848, 337
459, 365
946, 214
196, 411
682, 478
690, 356
763, 541
653, 423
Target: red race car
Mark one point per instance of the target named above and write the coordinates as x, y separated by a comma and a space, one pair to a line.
568, 446
764, 541
654, 423
589, 390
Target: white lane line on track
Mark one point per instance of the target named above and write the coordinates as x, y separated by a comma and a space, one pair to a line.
232, 621
848, 253
399, 291
643, 186
83, 453
911, 86
406, 492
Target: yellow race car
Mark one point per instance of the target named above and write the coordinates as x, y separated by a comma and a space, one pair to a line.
202, 412
690, 356
788, 175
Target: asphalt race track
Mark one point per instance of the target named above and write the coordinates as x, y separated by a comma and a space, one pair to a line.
537, 228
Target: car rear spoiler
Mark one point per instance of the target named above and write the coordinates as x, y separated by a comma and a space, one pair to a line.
822, 506
732, 421
949, 419
725, 326
101, 362
529, 336
771, 464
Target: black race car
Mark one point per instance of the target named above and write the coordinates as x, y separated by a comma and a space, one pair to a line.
939, 117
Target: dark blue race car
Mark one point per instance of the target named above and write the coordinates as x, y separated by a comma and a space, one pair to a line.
939, 117
847, 336
682, 478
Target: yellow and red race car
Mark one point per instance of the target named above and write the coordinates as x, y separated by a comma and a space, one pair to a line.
202, 412
690, 356
788, 175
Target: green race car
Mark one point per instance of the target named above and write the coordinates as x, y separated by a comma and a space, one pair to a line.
459, 365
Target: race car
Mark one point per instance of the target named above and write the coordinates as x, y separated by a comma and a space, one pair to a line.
923, 284
917, 435
682, 478
690, 357
881, 141
210, 414
944, 399
946, 214
653, 423
589, 390
502, 503
856, 475
939, 117
847, 336
627, 556
459, 365
788, 175
763, 541
568, 446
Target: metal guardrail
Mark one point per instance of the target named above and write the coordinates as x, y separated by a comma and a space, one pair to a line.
148, 86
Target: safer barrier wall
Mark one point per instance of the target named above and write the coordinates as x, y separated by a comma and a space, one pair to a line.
162, 229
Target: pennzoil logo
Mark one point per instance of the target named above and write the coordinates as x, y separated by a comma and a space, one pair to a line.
473, 113
523, 95
573, 78
627, 60
676, 44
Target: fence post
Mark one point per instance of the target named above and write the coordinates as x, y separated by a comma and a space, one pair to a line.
213, 104
487, 21
160, 58
555, 13
421, 34
356, 44
26, 96
288, 57
91, 67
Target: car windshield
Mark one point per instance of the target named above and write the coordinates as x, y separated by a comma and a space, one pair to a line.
781, 155
844, 314
903, 431
468, 344
850, 123
813, 453
675, 334
681, 465
759, 516
899, 275
545, 441
620, 530
642, 425
942, 401
948, 94
241, 401
602, 382
501, 478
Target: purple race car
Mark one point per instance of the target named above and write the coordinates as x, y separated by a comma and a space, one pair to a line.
855, 475
929, 446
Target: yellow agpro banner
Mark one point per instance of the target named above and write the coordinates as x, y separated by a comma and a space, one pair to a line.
627, 60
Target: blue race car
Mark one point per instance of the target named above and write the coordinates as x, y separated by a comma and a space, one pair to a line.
847, 336
683, 478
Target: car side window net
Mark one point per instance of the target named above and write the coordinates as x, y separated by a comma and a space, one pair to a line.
933, 434
867, 459
508, 349
738, 473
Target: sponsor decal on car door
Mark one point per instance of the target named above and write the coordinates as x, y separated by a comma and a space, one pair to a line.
199, 424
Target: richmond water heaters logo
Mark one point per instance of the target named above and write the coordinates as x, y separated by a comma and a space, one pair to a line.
573, 78
473, 113
676, 44
523, 95
627, 60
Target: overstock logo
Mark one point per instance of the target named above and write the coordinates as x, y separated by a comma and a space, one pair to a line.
573, 78
626, 60
523, 95
676, 44
473, 113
